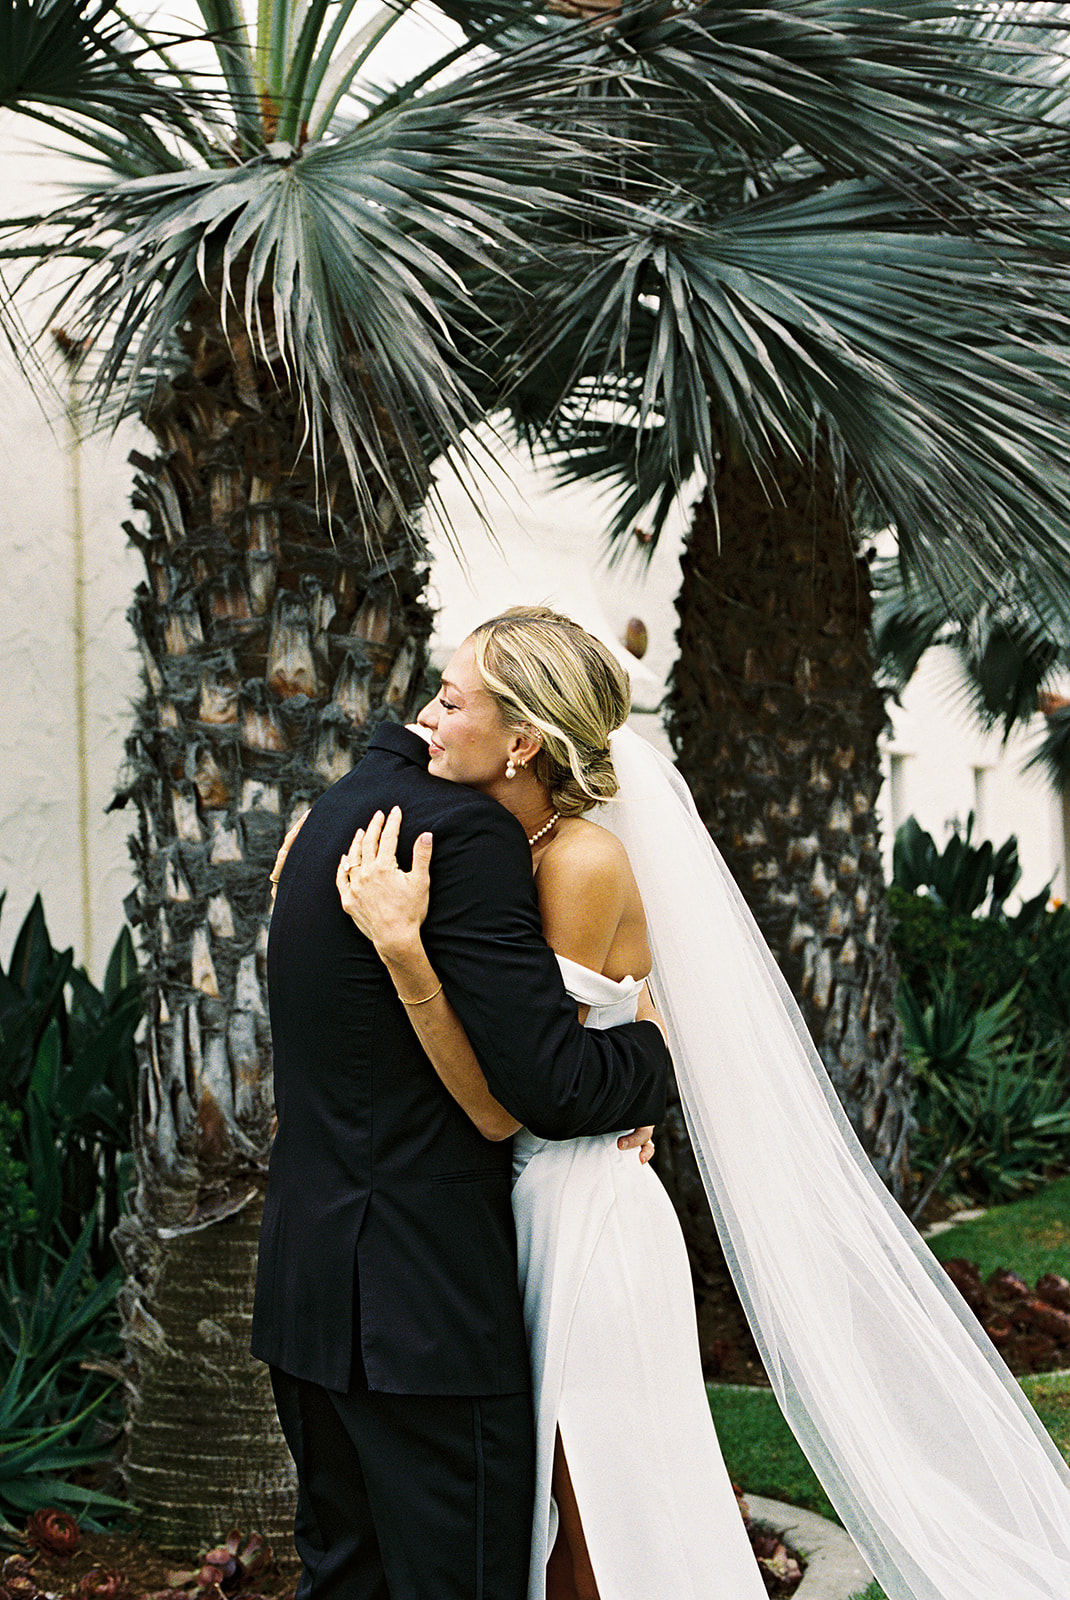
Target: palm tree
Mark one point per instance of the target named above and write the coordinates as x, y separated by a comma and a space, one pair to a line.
275, 268
871, 331
308, 285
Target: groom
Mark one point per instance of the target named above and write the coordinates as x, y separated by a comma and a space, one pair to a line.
386, 1298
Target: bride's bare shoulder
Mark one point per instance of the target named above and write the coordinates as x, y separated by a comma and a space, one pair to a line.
590, 905
580, 845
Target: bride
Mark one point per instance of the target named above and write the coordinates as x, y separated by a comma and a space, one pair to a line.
925, 1444
524, 714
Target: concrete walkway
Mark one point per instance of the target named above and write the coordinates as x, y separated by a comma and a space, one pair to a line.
834, 1569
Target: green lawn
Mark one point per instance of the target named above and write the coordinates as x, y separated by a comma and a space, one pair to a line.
1049, 1393
763, 1457
1032, 1236
760, 1449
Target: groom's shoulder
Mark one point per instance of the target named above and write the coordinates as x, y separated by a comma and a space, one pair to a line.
391, 774
455, 812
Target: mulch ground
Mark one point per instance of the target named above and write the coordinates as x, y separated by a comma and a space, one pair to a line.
121, 1567
117, 1566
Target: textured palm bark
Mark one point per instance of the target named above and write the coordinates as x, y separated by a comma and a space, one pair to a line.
775, 720
274, 637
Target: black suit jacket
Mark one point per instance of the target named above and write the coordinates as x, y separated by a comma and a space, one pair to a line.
388, 1216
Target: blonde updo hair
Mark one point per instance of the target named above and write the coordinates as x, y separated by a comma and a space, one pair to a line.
547, 675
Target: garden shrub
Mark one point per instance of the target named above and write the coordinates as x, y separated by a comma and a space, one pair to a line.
18, 1214
985, 1008
67, 1085
68, 1073
987, 957
992, 1117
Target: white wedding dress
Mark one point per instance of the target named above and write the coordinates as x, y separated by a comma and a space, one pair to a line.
609, 1308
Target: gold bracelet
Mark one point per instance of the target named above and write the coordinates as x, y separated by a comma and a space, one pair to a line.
422, 1002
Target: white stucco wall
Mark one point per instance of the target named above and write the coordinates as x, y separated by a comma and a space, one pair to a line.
41, 840
40, 832
940, 766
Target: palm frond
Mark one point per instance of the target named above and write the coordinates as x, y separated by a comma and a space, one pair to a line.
897, 93
910, 616
1012, 645
228, 33
1053, 753
340, 257
74, 65
835, 306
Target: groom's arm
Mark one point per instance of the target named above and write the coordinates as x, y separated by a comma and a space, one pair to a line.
484, 937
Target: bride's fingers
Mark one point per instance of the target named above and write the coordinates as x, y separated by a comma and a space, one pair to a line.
284, 850
387, 853
352, 855
421, 861
295, 827
369, 845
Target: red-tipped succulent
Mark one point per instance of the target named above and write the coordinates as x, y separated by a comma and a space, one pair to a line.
54, 1533
102, 1583
231, 1566
18, 1579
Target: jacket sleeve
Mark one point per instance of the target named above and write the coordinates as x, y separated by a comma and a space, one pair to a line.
485, 939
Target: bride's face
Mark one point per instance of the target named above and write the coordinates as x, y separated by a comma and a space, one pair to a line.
469, 742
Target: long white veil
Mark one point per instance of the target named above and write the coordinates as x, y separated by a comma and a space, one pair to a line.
925, 1444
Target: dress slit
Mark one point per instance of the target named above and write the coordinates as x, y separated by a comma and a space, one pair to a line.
610, 1317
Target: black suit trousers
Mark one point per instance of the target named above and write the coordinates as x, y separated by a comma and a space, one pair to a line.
409, 1497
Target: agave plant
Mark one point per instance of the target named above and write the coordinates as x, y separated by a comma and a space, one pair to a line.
67, 1077
58, 1351
963, 874
994, 1115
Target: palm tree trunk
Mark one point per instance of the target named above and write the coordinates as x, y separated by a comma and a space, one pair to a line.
775, 719
274, 636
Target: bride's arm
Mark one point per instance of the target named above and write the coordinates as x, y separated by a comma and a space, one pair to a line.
389, 906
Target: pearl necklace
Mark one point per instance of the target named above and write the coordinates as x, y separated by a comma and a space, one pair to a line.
545, 828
